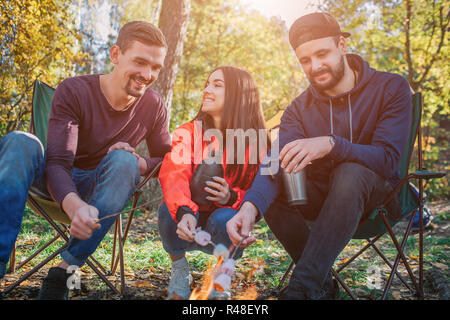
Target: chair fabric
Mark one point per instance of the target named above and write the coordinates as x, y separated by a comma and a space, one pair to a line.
408, 201
42, 103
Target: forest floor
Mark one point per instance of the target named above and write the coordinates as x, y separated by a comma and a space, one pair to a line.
258, 272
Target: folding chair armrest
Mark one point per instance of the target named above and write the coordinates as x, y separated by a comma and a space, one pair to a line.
425, 174
152, 174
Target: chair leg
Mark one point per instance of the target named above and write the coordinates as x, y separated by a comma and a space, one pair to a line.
136, 197
35, 269
61, 231
113, 257
280, 285
122, 265
343, 284
400, 255
420, 293
37, 252
12, 259
391, 267
125, 234
369, 243
102, 277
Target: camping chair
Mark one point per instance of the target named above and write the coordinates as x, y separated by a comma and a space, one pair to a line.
43, 205
379, 223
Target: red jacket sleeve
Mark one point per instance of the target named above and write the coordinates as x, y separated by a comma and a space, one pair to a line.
177, 169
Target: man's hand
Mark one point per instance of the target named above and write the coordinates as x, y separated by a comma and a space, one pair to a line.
302, 151
84, 222
241, 224
125, 146
219, 189
121, 145
186, 226
83, 217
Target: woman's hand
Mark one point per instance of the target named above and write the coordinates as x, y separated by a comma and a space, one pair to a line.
221, 192
186, 226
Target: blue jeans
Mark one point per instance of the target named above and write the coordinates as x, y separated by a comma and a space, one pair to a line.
215, 225
22, 163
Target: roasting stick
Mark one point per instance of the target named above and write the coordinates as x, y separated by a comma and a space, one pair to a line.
125, 211
209, 241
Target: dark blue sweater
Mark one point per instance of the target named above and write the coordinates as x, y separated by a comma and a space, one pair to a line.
370, 124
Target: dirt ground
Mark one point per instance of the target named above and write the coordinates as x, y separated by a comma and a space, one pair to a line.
151, 283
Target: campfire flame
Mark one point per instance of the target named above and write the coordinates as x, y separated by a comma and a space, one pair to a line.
249, 294
202, 292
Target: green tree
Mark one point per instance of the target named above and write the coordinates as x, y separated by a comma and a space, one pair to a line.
225, 33
38, 40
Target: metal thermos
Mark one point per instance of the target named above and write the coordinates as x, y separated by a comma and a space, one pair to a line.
203, 173
295, 187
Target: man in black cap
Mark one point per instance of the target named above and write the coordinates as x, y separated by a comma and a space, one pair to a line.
348, 130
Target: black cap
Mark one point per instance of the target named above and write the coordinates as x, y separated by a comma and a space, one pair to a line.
314, 26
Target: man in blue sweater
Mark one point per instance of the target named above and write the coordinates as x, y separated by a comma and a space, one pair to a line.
348, 130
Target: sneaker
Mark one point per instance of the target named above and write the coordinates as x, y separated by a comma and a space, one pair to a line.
54, 286
290, 294
180, 280
297, 294
427, 218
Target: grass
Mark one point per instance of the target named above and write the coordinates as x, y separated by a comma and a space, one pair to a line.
262, 265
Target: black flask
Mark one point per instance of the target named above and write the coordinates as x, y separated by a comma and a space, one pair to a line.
205, 171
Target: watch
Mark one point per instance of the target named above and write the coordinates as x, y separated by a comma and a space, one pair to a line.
332, 141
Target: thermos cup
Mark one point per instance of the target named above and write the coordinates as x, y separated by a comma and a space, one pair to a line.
204, 172
295, 187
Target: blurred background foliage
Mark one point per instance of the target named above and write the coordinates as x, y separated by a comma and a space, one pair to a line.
52, 40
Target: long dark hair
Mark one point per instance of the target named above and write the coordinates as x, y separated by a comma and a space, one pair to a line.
242, 110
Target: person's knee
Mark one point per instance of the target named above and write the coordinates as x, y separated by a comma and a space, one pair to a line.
122, 161
24, 142
219, 218
351, 182
350, 176
163, 214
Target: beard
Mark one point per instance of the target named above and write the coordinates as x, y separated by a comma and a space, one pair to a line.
336, 75
132, 91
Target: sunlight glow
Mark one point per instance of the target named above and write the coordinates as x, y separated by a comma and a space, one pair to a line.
288, 10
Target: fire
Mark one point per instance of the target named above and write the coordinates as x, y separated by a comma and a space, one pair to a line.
249, 294
202, 292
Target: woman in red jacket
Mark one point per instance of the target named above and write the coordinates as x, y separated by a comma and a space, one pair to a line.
230, 101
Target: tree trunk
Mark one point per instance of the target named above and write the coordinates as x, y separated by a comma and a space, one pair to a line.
173, 20
173, 23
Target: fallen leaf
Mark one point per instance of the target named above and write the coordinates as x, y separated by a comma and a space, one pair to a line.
142, 283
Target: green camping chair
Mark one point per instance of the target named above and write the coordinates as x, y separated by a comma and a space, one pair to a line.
379, 222
43, 205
